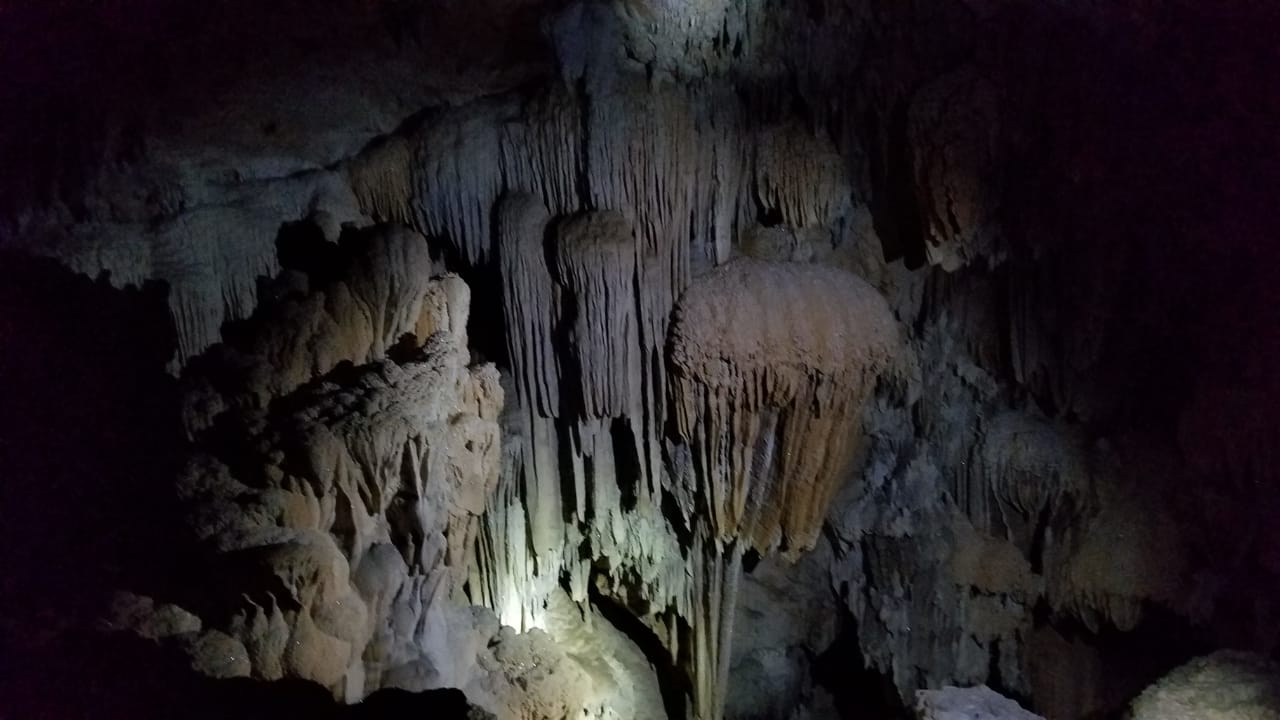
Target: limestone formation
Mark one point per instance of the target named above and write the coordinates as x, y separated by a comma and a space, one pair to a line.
1226, 685
529, 303
596, 262
457, 175
317, 324
769, 399
357, 523
769, 393
802, 176
382, 179
979, 703
953, 313
954, 130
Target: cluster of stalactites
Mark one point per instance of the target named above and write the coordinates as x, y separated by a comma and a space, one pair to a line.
468, 157
212, 271
382, 179
681, 163
596, 262
801, 175
529, 302
767, 390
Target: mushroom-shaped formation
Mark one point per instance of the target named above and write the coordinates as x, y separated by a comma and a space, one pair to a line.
771, 364
596, 259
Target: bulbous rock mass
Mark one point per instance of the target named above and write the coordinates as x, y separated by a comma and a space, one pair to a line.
771, 364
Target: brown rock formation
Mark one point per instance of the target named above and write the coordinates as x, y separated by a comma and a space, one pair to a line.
769, 393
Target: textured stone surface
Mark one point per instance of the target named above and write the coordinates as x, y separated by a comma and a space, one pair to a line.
979, 703
1222, 686
1046, 205
768, 393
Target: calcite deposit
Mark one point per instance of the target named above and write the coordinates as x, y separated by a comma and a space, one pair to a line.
640, 358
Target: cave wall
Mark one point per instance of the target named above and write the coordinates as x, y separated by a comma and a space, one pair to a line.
955, 317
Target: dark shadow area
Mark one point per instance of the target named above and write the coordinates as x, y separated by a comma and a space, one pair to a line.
90, 441
1116, 664
565, 432
626, 460
996, 680
768, 216
894, 204
861, 692
127, 678
486, 325
301, 246
672, 681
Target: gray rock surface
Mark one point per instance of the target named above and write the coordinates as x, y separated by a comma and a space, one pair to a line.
977, 703
1223, 686
692, 229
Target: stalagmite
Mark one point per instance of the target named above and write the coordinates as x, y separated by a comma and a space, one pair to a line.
769, 392
390, 282
355, 514
953, 703
389, 293
1226, 685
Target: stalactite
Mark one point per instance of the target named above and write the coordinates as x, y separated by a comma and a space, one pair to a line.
596, 261
458, 177
713, 595
1027, 464
643, 148
724, 206
523, 534
541, 151
382, 178
675, 162
769, 392
504, 576
801, 175
529, 302
212, 260
954, 129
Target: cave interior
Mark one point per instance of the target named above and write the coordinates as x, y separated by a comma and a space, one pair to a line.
640, 359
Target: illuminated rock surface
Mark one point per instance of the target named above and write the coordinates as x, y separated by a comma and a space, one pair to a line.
641, 358
1223, 686
979, 703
